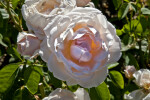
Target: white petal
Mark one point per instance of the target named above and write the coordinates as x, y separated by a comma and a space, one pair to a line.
82, 94
147, 97
135, 95
115, 48
61, 94
44, 51
99, 77
58, 68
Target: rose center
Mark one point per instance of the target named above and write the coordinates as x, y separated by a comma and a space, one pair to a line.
82, 45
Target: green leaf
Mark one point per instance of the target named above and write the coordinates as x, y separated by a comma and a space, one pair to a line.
117, 79
100, 93
38, 69
7, 76
110, 66
117, 3
114, 90
145, 11
14, 3
14, 52
130, 60
119, 32
123, 11
32, 78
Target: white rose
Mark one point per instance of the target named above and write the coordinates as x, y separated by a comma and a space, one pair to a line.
63, 94
142, 78
38, 13
27, 44
79, 46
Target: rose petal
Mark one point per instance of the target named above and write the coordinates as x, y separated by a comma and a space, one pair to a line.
135, 95
82, 94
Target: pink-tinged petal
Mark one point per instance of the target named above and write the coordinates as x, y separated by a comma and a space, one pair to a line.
28, 44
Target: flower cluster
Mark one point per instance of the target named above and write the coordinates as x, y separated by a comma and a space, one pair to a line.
76, 42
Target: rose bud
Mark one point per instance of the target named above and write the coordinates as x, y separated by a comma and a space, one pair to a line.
27, 44
129, 71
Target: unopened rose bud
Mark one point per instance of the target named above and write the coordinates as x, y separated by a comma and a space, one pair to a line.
27, 44
129, 71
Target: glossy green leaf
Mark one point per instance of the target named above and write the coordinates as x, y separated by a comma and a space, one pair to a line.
123, 11
100, 93
32, 78
7, 76
110, 66
39, 70
12, 51
117, 79
145, 11
114, 90
119, 32
14, 3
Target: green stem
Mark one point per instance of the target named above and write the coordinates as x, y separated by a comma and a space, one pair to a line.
41, 88
3, 4
12, 17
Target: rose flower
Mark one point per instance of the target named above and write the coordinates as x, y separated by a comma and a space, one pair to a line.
79, 45
38, 13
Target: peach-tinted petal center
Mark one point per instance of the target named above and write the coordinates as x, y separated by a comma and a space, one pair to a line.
83, 48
